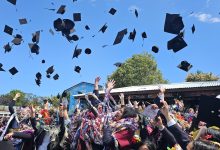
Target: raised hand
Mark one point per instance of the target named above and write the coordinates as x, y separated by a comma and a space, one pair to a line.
17, 95
97, 79
110, 84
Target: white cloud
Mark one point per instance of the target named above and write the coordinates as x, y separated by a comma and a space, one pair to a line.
133, 7
203, 17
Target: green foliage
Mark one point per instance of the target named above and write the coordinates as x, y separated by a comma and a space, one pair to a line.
201, 76
141, 69
55, 101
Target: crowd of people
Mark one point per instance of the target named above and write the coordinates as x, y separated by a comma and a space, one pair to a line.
108, 124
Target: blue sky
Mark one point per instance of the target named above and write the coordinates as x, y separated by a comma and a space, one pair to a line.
202, 50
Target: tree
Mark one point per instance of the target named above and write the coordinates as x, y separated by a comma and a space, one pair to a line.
141, 69
201, 76
5, 99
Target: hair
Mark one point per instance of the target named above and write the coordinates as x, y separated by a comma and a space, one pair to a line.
129, 113
204, 145
150, 145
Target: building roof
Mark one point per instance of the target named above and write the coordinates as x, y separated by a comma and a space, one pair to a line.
171, 86
69, 89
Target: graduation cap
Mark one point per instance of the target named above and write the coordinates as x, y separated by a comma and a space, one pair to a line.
1, 69
66, 26
43, 61
8, 30
118, 64
23, 21
88, 51
144, 35
48, 76
12, 1
17, 39
77, 52
173, 23
7, 145
56, 77
87, 27
64, 94
132, 35
38, 75
34, 48
120, 36
155, 49
112, 11
77, 16
36, 37
61, 10
13, 70
176, 44
103, 28
184, 65
7, 48
193, 28
58, 96
209, 110
77, 69
136, 13
50, 70
38, 82
73, 37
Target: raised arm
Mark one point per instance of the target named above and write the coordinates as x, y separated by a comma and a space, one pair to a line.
12, 103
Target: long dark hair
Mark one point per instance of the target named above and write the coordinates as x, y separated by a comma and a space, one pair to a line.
129, 113
204, 145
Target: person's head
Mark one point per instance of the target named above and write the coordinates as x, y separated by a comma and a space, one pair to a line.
202, 145
100, 108
191, 111
147, 145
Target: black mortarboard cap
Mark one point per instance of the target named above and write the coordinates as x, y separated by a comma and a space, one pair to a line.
77, 69
36, 37
144, 35
64, 94
13, 70
6, 145
173, 23
12, 1
77, 52
193, 28
23, 21
112, 11
43, 61
34, 48
155, 49
1, 69
38, 75
118, 64
48, 76
56, 77
75, 37
7, 48
176, 44
17, 39
184, 65
58, 96
50, 70
38, 82
58, 24
8, 30
68, 26
88, 51
77, 16
120, 36
136, 13
87, 27
132, 35
209, 110
61, 10
103, 28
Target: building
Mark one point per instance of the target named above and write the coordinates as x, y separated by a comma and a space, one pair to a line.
82, 87
190, 92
